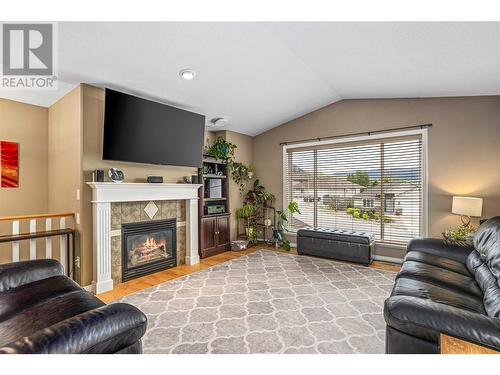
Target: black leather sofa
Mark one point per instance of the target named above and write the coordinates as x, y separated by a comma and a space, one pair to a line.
448, 289
43, 311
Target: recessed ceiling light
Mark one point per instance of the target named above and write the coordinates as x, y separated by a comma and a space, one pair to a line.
187, 74
217, 123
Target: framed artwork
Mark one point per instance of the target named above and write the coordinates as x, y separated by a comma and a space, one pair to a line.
9, 164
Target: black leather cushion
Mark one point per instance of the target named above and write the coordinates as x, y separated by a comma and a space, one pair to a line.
42, 311
16, 274
484, 264
16, 300
439, 294
440, 248
425, 319
46, 313
115, 328
444, 263
337, 234
440, 277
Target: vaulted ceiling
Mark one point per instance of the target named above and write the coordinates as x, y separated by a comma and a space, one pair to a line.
260, 75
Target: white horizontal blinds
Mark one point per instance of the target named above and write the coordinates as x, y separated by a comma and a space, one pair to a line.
373, 186
346, 177
402, 186
300, 187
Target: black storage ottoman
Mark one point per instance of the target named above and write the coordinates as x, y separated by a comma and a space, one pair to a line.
337, 244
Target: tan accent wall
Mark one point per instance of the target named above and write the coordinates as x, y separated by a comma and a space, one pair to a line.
27, 125
243, 154
464, 157
65, 158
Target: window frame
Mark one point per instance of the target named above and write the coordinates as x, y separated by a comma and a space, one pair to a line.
369, 137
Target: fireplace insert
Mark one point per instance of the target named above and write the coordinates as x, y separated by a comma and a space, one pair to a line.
148, 247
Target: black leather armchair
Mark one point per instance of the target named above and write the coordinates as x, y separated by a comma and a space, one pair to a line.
447, 289
43, 311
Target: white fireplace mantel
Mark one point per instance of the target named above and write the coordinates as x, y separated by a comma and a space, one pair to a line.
104, 193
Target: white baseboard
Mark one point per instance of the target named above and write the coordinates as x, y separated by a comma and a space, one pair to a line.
388, 259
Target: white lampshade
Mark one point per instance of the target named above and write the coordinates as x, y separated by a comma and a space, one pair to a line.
467, 206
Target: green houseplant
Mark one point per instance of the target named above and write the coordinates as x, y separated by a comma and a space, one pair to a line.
240, 173
462, 233
256, 199
282, 217
222, 149
246, 213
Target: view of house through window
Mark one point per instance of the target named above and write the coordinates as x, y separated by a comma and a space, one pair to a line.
373, 186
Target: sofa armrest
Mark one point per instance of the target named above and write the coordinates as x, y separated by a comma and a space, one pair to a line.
413, 313
439, 247
107, 329
13, 275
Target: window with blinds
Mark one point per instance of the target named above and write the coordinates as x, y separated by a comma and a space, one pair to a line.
374, 186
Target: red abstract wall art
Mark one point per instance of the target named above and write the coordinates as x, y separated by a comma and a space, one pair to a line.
9, 164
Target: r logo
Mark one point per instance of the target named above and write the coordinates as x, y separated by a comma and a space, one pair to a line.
27, 49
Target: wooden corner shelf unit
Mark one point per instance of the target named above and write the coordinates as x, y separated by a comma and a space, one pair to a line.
213, 210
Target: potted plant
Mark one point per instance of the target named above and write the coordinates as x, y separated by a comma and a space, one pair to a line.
281, 218
246, 213
258, 196
221, 149
240, 174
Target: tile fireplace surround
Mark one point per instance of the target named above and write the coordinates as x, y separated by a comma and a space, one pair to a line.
105, 199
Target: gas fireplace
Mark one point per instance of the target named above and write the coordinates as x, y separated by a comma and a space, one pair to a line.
148, 247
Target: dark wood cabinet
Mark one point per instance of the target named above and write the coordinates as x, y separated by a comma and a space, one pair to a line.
222, 233
214, 207
214, 236
208, 233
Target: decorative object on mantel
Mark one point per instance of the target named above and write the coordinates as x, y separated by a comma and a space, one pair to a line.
155, 179
9, 164
116, 175
466, 207
98, 175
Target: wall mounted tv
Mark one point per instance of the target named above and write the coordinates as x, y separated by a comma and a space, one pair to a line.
142, 131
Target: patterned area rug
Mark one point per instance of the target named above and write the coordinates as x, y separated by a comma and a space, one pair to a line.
268, 302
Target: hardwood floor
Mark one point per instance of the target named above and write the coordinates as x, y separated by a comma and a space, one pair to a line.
148, 281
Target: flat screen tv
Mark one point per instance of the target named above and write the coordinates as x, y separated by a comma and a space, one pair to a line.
142, 131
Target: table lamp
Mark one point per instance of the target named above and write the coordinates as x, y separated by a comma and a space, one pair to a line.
467, 207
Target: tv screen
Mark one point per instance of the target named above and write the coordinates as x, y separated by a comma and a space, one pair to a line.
142, 131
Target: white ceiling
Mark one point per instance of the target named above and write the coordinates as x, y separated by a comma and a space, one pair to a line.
260, 75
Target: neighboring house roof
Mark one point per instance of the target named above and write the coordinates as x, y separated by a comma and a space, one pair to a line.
393, 187
324, 183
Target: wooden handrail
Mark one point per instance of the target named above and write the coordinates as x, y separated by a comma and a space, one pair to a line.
41, 234
36, 216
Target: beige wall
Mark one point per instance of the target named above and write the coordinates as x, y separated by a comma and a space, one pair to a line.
27, 125
65, 157
243, 154
464, 157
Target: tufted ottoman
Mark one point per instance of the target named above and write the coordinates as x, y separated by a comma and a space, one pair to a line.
336, 244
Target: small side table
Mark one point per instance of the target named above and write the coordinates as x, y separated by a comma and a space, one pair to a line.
452, 345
